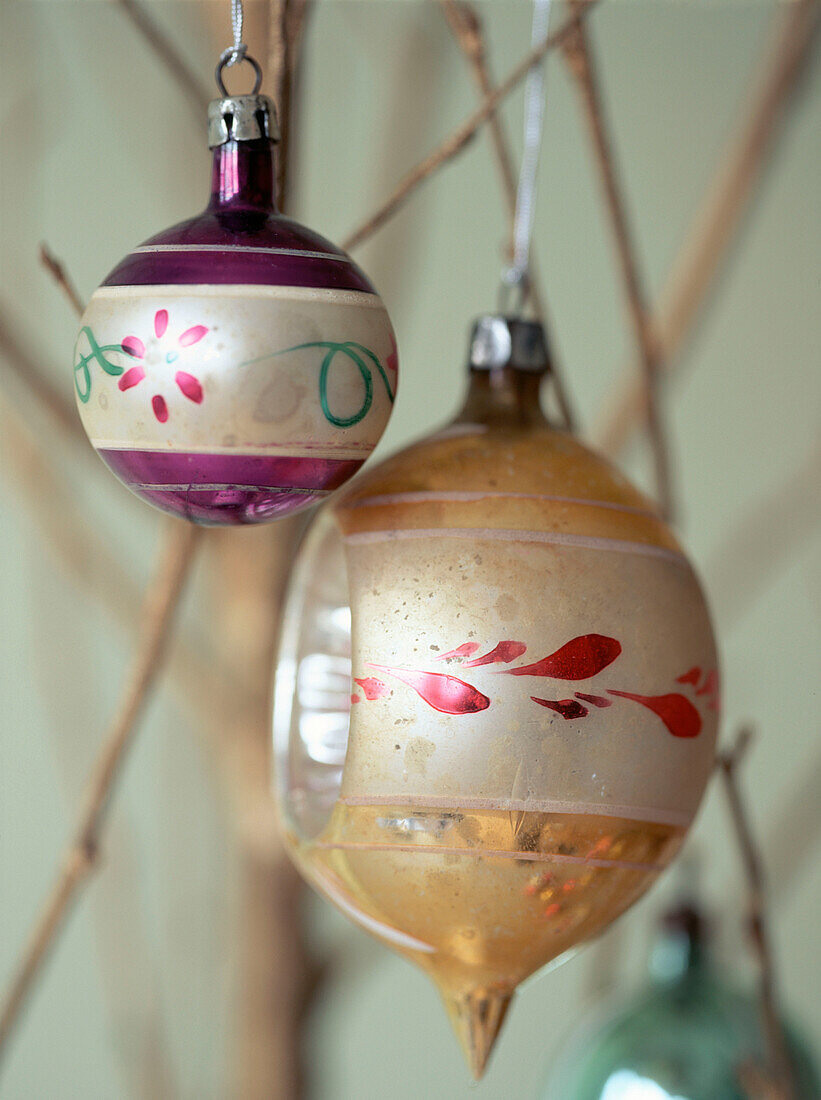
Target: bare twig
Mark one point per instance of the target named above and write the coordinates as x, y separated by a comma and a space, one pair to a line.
796, 827
201, 684
274, 968
286, 23
58, 272
36, 382
197, 93
774, 1078
467, 29
460, 137
716, 222
88, 560
580, 59
763, 538
81, 857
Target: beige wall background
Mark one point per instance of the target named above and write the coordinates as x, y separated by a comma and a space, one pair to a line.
99, 150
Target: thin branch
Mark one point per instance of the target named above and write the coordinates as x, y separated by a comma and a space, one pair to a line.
58, 272
763, 538
81, 858
467, 29
460, 137
718, 219
88, 559
36, 382
286, 23
775, 1076
582, 64
269, 1061
196, 92
90, 563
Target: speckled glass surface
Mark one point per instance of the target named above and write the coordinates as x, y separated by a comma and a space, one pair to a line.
496, 706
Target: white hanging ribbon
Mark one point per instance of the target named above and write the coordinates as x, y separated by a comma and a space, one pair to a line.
516, 275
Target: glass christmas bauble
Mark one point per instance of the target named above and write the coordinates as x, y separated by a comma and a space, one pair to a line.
238, 366
691, 1035
497, 696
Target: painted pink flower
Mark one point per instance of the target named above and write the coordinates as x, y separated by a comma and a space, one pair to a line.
393, 359
189, 385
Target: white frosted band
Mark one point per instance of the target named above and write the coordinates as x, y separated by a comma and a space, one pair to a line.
245, 249
361, 299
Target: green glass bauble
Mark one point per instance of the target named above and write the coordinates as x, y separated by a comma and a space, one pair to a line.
684, 1038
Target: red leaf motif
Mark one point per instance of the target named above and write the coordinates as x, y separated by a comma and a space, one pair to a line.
596, 700
676, 712
440, 691
501, 654
373, 688
568, 708
710, 685
467, 649
578, 659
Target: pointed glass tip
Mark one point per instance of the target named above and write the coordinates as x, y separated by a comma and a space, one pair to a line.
477, 1019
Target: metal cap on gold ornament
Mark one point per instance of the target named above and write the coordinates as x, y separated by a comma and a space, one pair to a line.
498, 341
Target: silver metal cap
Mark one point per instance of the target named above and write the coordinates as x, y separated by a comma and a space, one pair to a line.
241, 118
498, 341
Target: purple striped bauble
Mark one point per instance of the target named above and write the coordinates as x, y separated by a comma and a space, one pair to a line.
237, 367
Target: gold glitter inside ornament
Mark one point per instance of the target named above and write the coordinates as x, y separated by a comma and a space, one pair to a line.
497, 698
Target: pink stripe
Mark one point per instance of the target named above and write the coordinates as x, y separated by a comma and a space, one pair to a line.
503, 535
652, 816
535, 857
470, 498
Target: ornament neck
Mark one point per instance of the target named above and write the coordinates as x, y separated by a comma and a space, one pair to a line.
507, 361
242, 131
243, 177
503, 396
682, 950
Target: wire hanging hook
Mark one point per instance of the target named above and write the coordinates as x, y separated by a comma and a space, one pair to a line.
225, 62
516, 276
237, 53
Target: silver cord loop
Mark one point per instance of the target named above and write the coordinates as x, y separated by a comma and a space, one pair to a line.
516, 276
513, 292
237, 16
